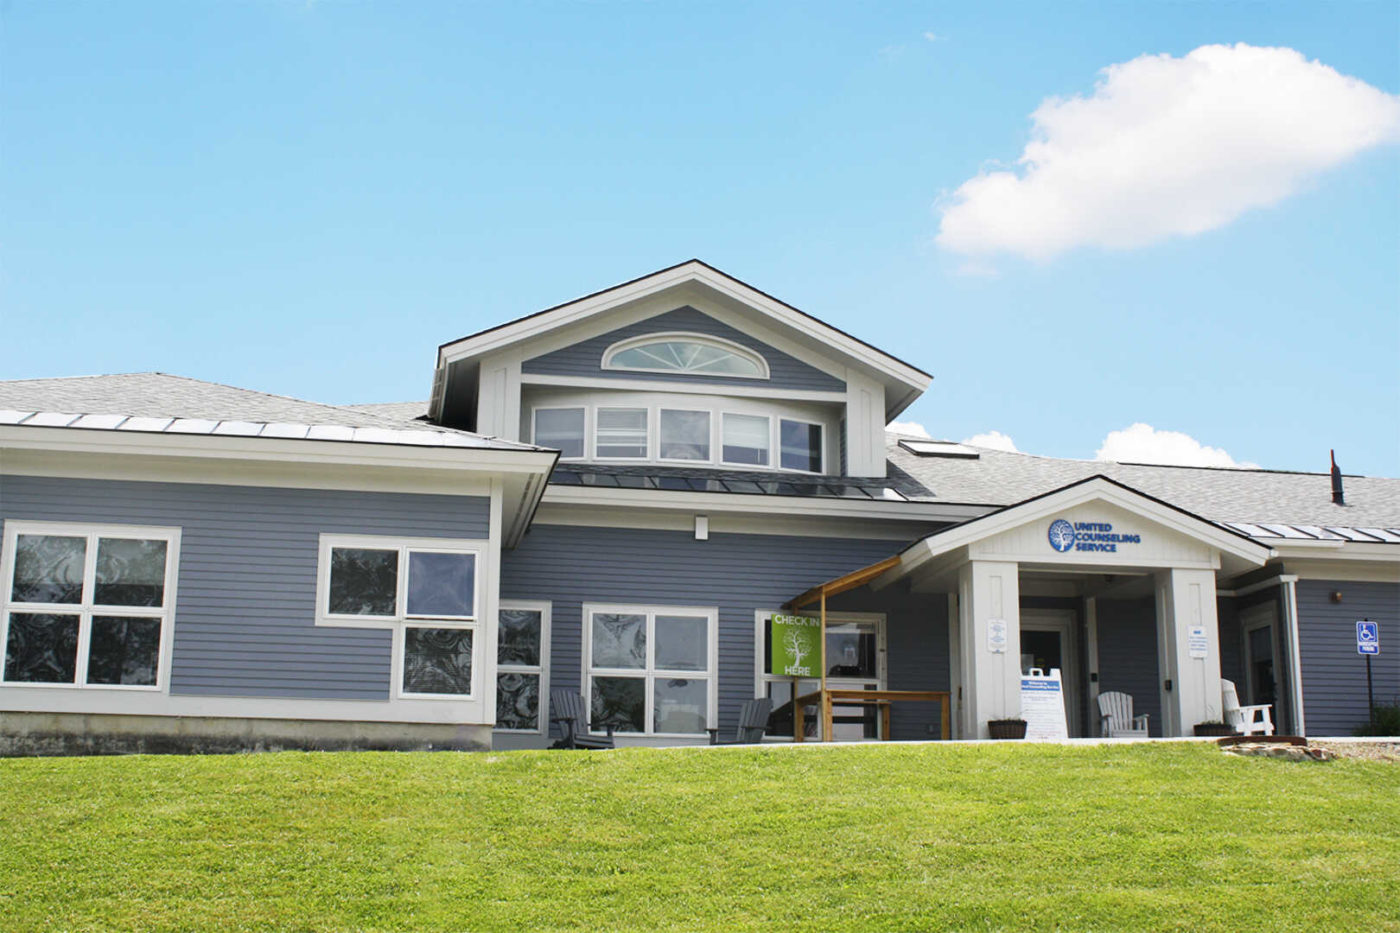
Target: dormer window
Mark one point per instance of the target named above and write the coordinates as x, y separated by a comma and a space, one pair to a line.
690, 354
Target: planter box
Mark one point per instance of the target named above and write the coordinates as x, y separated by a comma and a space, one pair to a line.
1215, 729
1007, 728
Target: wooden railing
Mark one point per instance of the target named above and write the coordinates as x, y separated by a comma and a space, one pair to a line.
883, 699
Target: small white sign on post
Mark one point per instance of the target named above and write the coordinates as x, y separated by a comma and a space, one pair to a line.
996, 636
1196, 643
1043, 706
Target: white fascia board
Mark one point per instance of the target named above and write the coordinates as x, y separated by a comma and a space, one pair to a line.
686, 272
1372, 570
897, 532
712, 502
1337, 551
220, 447
562, 316
874, 359
689, 388
1081, 494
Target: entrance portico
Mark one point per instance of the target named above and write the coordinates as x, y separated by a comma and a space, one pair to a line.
1090, 540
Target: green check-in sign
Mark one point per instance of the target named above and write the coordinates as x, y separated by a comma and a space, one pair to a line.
797, 646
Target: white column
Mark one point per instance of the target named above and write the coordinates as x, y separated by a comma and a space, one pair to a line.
954, 669
1091, 653
1186, 600
989, 591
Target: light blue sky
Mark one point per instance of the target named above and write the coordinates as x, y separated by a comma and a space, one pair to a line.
308, 198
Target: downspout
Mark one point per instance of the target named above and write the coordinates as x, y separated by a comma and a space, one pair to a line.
1295, 672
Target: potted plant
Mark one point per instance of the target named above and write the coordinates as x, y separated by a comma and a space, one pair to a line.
1215, 727
1007, 728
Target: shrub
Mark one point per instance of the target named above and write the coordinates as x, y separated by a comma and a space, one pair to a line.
1385, 722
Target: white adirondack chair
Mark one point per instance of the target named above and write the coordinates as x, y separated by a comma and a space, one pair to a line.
1116, 719
1246, 720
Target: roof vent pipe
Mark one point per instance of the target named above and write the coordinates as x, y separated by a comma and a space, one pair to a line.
1337, 497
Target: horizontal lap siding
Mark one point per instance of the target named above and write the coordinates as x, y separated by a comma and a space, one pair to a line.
586, 357
570, 565
1334, 675
1128, 656
1231, 640
916, 657
246, 599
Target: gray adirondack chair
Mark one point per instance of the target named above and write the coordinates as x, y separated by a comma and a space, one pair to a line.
753, 722
1116, 719
569, 710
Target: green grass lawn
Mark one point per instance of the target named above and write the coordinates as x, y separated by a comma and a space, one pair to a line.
1154, 837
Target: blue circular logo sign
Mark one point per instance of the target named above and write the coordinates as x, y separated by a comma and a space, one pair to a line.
1061, 535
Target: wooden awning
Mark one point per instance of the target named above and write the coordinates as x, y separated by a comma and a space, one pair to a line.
850, 581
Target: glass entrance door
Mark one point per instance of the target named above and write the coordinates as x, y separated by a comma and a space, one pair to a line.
1260, 643
1049, 641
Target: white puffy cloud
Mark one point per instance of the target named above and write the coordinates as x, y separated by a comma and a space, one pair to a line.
1142, 443
1167, 147
994, 440
908, 428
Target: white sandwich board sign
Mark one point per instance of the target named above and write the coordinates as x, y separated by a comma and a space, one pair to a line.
1043, 706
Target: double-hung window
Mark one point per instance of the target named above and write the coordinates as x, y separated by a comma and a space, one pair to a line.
88, 606
562, 429
424, 589
522, 666
746, 439
651, 669
621, 433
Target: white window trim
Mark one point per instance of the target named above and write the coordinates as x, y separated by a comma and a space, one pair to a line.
401, 619
762, 678
718, 343
708, 412
545, 608
587, 426
772, 438
86, 609
650, 672
778, 445
590, 403
591, 438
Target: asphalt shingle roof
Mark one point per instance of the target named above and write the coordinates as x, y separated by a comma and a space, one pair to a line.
1001, 478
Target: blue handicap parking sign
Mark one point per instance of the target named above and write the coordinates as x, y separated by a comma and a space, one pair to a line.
1368, 638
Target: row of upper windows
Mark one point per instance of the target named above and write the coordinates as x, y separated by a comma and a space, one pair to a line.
681, 436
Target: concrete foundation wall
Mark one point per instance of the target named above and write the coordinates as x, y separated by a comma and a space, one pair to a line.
31, 734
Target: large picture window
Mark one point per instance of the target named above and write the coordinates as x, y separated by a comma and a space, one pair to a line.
87, 606
651, 669
522, 667
801, 445
425, 589
685, 435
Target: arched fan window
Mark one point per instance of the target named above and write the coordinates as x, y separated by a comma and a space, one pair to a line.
685, 353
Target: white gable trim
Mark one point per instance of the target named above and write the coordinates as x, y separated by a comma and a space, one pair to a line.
576, 312
1095, 490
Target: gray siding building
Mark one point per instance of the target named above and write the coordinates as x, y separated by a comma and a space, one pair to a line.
639, 497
